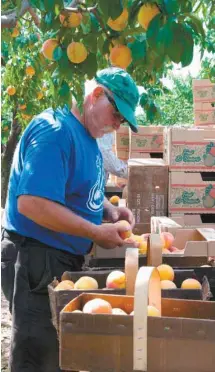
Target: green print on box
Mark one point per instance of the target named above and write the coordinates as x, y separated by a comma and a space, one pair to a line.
205, 199
141, 142
124, 141
196, 156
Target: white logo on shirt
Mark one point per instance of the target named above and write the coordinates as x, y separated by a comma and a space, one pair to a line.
96, 194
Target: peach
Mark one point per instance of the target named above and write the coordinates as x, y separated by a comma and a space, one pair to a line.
119, 23
143, 247
166, 272
167, 238
116, 279
126, 231
191, 284
11, 90
132, 241
146, 13
167, 284
86, 282
76, 311
173, 249
97, 306
114, 199
48, 48
64, 285
76, 52
145, 236
71, 20
153, 311
166, 251
118, 311
120, 56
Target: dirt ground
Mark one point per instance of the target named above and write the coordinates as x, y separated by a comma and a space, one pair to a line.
5, 333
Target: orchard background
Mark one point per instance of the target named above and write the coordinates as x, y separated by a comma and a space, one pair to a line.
50, 47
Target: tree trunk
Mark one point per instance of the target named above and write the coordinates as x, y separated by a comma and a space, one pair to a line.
7, 156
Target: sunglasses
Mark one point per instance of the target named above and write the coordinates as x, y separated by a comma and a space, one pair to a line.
117, 113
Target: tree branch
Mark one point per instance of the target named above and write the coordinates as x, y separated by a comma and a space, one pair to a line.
9, 18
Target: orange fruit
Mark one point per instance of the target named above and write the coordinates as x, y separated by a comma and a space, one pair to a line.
146, 13
114, 199
166, 272
48, 48
11, 90
71, 20
120, 56
15, 32
191, 284
64, 285
39, 95
76, 52
30, 71
119, 23
153, 311
167, 284
97, 306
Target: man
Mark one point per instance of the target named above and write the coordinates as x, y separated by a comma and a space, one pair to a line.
54, 210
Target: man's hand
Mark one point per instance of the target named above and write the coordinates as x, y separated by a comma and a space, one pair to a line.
114, 214
107, 235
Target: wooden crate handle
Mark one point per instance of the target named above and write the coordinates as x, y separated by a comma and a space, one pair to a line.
131, 269
147, 291
154, 250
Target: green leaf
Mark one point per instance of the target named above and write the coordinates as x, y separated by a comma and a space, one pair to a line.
144, 99
57, 54
86, 23
90, 42
197, 25
154, 29
89, 66
94, 22
138, 49
106, 46
104, 7
171, 6
115, 9
187, 55
64, 89
175, 43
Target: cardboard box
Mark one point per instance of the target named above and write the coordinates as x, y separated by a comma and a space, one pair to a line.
147, 188
191, 149
188, 193
104, 343
122, 139
203, 90
161, 224
146, 155
204, 114
148, 139
192, 220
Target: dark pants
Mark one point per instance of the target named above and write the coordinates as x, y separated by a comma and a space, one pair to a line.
28, 266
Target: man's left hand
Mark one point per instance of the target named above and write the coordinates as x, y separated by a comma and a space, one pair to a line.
121, 213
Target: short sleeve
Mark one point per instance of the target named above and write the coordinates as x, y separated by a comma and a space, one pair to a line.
44, 173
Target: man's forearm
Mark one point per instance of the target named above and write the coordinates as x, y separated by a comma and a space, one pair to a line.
55, 216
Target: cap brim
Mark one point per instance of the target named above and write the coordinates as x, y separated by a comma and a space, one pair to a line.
126, 111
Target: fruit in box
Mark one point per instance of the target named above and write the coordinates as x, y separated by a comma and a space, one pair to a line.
97, 306
64, 285
153, 311
86, 282
116, 279
166, 272
167, 284
167, 238
191, 284
118, 311
114, 200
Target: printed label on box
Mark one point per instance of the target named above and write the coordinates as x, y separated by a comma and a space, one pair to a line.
193, 155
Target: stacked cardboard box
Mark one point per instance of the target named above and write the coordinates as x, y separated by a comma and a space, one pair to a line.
146, 143
190, 153
203, 101
147, 191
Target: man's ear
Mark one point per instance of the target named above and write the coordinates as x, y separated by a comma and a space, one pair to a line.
97, 92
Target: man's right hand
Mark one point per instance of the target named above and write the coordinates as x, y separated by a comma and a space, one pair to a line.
107, 235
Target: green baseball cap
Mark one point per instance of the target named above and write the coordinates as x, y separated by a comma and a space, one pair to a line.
125, 92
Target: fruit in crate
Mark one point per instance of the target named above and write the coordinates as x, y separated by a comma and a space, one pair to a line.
116, 279
167, 239
167, 284
114, 200
166, 272
97, 306
64, 285
86, 282
77, 311
145, 236
191, 284
153, 311
174, 249
125, 234
118, 311
143, 247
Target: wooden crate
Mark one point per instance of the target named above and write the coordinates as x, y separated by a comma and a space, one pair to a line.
104, 343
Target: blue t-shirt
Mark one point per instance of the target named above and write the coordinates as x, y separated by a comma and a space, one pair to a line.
56, 159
